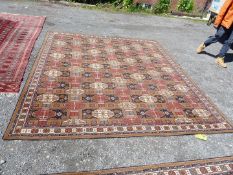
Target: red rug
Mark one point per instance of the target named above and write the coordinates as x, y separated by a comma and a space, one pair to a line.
216, 166
18, 34
95, 87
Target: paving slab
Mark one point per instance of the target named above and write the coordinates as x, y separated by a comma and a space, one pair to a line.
180, 37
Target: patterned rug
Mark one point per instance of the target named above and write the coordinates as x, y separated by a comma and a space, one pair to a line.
17, 37
95, 87
217, 166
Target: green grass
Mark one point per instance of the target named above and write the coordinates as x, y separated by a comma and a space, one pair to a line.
112, 9
108, 7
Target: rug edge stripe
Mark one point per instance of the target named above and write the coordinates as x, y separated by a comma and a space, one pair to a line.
140, 168
7, 135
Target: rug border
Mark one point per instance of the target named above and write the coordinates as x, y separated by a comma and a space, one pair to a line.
142, 167
165, 53
7, 135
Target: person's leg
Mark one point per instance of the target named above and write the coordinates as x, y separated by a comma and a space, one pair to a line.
212, 39
226, 46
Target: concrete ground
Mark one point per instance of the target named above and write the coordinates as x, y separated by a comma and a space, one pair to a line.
180, 37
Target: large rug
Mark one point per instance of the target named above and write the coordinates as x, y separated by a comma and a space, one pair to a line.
95, 87
216, 166
18, 34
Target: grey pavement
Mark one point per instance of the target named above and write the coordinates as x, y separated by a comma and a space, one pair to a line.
180, 37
